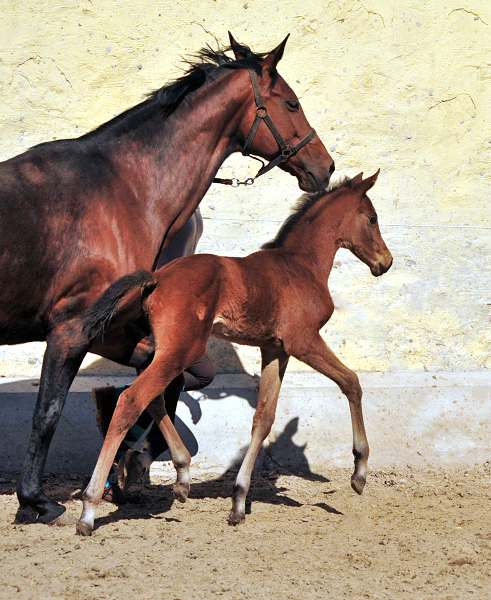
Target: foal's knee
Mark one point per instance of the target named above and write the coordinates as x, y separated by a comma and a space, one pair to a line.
351, 387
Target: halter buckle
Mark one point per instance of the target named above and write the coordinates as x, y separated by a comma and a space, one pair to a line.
288, 151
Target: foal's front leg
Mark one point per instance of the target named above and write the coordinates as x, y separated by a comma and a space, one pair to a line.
322, 359
274, 363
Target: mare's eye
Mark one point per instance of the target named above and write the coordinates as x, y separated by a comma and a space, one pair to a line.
292, 105
373, 220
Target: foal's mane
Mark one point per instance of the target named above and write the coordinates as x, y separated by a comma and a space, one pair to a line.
304, 204
201, 68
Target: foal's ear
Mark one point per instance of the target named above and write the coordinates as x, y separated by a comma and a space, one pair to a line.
363, 186
357, 179
275, 56
239, 51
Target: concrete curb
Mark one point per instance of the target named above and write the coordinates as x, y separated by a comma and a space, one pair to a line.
414, 418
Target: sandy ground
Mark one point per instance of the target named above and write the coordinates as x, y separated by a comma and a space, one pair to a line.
413, 534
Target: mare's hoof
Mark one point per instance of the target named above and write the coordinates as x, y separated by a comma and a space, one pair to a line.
358, 483
130, 469
65, 518
83, 529
181, 492
25, 514
54, 513
235, 518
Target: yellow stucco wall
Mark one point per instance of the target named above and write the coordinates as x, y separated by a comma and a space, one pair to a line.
400, 86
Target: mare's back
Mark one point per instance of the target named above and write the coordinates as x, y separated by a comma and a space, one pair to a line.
44, 198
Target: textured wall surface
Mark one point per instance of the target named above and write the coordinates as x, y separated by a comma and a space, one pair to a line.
403, 87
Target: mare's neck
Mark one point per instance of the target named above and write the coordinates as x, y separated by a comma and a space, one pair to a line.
175, 170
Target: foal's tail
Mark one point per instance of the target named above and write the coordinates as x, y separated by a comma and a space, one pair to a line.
99, 315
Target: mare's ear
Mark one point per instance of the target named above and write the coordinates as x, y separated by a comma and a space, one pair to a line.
237, 49
363, 187
357, 179
275, 56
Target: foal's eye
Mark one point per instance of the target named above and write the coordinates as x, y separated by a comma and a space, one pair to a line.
373, 220
292, 104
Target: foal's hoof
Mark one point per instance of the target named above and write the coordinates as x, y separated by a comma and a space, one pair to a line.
358, 483
130, 469
235, 518
84, 529
181, 492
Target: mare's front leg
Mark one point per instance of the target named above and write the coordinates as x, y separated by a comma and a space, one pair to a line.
322, 359
66, 348
274, 363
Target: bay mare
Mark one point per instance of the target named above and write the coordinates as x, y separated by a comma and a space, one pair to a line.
77, 214
277, 299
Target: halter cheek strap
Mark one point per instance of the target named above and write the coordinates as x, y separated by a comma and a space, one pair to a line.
286, 150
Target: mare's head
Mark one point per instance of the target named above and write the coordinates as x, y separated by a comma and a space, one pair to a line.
360, 232
311, 163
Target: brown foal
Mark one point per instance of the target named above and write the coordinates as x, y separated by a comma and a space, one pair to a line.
276, 298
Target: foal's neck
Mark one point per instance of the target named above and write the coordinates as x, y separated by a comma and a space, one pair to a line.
317, 237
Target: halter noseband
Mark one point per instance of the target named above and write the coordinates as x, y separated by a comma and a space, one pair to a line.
286, 150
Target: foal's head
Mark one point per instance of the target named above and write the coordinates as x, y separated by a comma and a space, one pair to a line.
312, 164
360, 232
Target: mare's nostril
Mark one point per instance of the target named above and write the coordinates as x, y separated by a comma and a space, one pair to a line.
333, 167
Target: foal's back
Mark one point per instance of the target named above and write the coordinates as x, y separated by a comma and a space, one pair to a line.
257, 300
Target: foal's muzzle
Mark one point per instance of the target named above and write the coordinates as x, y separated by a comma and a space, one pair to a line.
382, 266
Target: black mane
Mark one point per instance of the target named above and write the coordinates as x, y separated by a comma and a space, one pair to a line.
201, 69
304, 204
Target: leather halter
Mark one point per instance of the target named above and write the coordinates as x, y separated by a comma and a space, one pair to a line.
286, 150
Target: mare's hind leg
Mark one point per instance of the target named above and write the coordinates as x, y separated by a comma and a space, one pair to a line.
323, 360
274, 363
64, 353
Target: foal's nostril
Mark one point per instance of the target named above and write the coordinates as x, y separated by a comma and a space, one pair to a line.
332, 168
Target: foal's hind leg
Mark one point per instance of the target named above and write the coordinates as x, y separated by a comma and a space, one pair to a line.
274, 363
134, 464
145, 392
180, 455
131, 404
322, 359
186, 352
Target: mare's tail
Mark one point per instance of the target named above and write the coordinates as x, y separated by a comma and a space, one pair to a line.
99, 315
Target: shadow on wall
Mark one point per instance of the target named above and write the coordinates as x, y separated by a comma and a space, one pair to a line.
281, 457
77, 441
